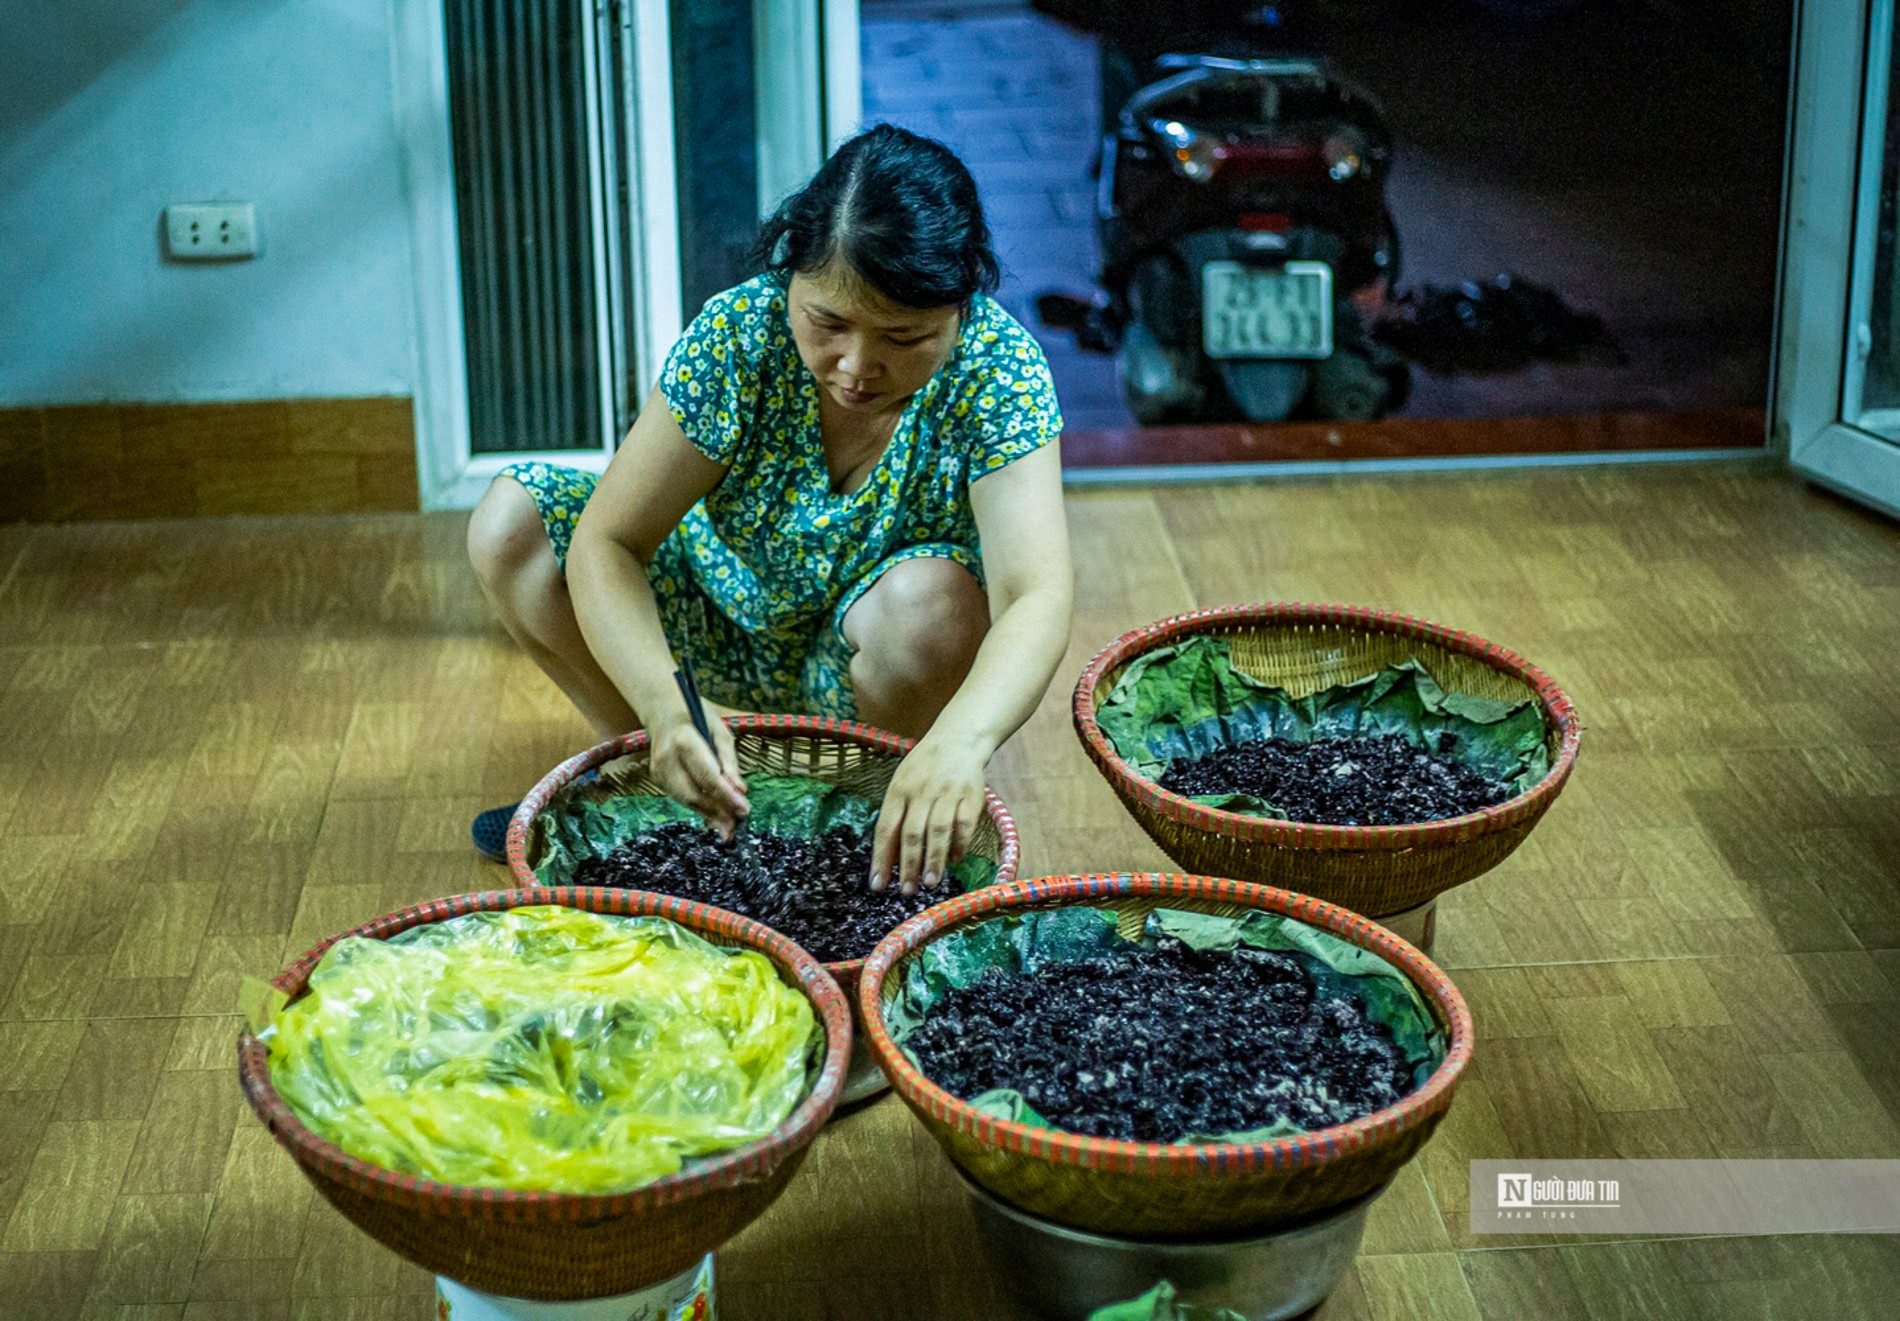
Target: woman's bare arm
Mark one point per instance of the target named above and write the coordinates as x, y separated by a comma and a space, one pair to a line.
655, 478
936, 798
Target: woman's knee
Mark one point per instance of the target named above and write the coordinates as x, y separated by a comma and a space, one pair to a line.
506, 537
921, 623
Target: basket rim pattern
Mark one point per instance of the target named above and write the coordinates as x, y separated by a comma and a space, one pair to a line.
748, 1163
1131, 784
764, 726
1180, 1160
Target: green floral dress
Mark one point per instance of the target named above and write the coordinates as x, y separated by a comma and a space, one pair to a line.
754, 584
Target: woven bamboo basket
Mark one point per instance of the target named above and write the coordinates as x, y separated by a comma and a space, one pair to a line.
1167, 1190
565, 1246
1375, 870
853, 756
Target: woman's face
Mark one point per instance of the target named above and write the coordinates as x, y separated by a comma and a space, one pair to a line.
868, 353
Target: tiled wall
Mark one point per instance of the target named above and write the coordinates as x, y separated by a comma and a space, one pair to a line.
295, 456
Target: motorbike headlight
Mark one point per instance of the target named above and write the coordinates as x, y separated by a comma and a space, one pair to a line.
1344, 153
1193, 156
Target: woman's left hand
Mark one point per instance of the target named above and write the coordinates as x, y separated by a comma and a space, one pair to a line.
930, 813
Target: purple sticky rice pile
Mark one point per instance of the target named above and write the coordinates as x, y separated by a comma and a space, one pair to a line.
1365, 780
1155, 1044
818, 890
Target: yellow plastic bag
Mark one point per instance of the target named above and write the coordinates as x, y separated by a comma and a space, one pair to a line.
542, 1048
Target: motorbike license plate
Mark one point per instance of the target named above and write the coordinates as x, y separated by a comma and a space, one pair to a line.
1267, 312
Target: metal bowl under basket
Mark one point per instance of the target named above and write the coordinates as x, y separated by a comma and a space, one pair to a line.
1180, 1189
1068, 1274
852, 756
565, 1246
1375, 870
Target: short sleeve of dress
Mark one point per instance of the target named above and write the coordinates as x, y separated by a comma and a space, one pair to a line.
711, 378
1009, 396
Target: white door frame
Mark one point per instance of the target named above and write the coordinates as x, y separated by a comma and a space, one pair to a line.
654, 186
449, 475
786, 46
843, 91
439, 361
1817, 375
801, 119
797, 129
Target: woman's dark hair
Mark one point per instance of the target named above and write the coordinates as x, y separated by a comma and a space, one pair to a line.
899, 209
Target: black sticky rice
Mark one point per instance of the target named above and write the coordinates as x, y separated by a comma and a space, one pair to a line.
818, 890
1365, 780
1154, 1045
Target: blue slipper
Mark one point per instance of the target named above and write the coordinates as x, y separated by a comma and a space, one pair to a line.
490, 829
490, 832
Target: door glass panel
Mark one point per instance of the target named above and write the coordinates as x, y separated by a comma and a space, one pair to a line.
716, 144
1880, 388
519, 124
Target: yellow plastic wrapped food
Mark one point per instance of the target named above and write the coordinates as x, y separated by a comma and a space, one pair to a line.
542, 1048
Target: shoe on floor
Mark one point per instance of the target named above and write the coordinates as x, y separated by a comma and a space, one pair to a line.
490, 832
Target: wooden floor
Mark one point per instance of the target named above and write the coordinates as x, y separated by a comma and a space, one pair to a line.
226, 739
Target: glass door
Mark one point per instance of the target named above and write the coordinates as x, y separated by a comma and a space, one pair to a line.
582, 175
762, 89
1837, 402
1872, 393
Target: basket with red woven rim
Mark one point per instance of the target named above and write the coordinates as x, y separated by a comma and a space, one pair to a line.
565, 1246
852, 756
1303, 649
1180, 1189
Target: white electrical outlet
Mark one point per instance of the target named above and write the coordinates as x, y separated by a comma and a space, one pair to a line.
210, 231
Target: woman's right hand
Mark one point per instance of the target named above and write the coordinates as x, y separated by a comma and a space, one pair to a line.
707, 780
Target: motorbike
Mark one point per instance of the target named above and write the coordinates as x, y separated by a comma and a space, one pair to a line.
1246, 244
